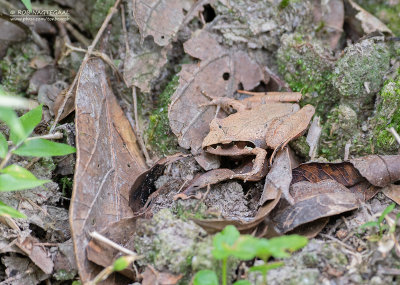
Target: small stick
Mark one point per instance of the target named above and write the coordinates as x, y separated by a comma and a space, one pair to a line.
103, 239
89, 52
81, 38
395, 134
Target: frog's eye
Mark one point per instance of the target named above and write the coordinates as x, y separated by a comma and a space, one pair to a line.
226, 76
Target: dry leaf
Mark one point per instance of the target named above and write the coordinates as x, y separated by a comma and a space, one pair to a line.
119, 232
392, 192
69, 105
160, 18
379, 170
278, 179
362, 22
39, 255
218, 74
108, 162
152, 276
335, 200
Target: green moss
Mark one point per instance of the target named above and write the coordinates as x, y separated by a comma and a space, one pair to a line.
339, 129
99, 12
171, 244
301, 147
307, 68
359, 74
387, 115
159, 134
15, 69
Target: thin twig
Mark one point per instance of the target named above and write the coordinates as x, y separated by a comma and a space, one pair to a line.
109, 242
89, 52
137, 129
55, 136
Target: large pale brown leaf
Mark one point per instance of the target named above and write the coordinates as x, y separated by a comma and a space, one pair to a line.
108, 161
218, 74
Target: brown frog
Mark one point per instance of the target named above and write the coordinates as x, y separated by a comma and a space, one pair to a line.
262, 122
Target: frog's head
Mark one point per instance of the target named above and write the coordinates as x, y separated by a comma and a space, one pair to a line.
217, 134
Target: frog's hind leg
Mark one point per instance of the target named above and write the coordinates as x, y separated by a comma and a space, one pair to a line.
257, 171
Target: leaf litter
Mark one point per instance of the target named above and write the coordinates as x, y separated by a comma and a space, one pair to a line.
116, 195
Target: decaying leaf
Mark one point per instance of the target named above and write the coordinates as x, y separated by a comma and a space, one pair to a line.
142, 66
39, 255
152, 276
362, 22
120, 232
108, 162
160, 18
218, 74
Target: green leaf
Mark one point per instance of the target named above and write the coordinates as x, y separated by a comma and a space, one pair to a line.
3, 146
280, 246
43, 148
242, 282
369, 224
8, 211
27, 4
120, 264
223, 242
15, 177
245, 247
205, 277
386, 212
9, 117
29, 121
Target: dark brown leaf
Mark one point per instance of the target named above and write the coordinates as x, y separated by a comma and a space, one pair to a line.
330, 202
108, 162
344, 173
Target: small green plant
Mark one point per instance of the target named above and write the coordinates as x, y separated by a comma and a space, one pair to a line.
14, 177
382, 227
230, 243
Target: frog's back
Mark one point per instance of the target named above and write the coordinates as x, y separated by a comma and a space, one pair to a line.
247, 125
